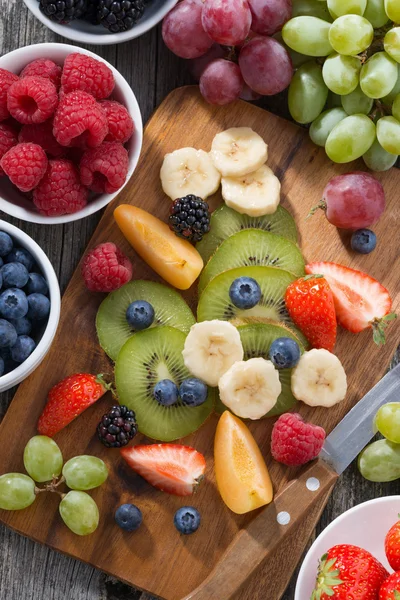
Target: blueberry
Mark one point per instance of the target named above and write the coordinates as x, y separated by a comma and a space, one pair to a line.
13, 304
284, 353
166, 392
23, 326
8, 335
22, 256
245, 292
140, 315
129, 517
2, 367
187, 520
14, 275
6, 243
193, 392
37, 284
39, 307
363, 241
23, 347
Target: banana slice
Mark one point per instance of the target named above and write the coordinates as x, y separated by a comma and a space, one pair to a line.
255, 194
319, 379
211, 348
238, 151
250, 388
189, 171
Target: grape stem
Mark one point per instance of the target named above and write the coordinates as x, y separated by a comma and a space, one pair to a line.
321, 204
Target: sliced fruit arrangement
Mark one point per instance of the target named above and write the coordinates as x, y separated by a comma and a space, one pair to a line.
295, 442
189, 171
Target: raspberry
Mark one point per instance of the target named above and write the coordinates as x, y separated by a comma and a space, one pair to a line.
32, 100
60, 192
42, 135
25, 165
106, 268
43, 67
80, 121
6, 81
295, 442
104, 169
8, 139
85, 73
120, 123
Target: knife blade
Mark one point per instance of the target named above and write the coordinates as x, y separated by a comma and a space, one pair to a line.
356, 429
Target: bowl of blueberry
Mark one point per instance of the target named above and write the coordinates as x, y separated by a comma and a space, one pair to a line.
100, 21
29, 305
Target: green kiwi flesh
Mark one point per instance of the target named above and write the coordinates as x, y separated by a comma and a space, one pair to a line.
146, 358
112, 327
225, 222
253, 247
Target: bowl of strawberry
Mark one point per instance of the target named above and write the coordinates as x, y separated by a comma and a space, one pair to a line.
70, 133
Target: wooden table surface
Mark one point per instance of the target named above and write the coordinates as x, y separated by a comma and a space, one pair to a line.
29, 571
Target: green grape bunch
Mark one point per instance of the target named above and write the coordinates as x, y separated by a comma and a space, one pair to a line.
347, 80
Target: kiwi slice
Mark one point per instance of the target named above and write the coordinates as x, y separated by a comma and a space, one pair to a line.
225, 222
147, 357
253, 247
290, 327
111, 324
257, 340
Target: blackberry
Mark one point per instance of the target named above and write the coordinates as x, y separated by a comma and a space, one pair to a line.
63, 11
190, 218
117, 427
120, 15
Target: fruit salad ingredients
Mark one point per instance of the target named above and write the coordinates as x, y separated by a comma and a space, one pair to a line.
171, 468
319, 379
390, 588
311, 307
240, 470
79, 121
183, 32
268, 18
189, 218
211, 348
13, 304
25, 165
176, 260
166, 392
245, 293
8, 139
106, 268
387, 421
32, 100
188, 171
353, 201
238, 151
6, 80
85, 73
63, 13
43, 459
266, 66
129, 517
380, 461
42, 135
250, 388
17, 491
361, 302
60, 192
295, 442
117, 427
140, 315
193, 392
67, 400
43, 67
221, 82
104, 169
85, 472
228, 25
187, 520
392, 547
120, 122
363, 241
347, 569
116, 20
79, 512
284, 353
14, 274
255, 194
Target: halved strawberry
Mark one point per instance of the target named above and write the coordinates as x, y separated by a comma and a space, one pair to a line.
360, 301
171, 468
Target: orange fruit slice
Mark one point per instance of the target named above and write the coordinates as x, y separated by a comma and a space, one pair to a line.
242, 475
175, 259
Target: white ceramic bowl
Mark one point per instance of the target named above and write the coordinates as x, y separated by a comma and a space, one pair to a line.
364, 525
26, 368
16, 204
85, 33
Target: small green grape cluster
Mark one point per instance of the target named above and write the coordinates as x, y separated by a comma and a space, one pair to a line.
44, 463
347, 82
380, 461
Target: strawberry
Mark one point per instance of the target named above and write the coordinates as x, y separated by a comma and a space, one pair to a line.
310, 304
360, 301
392, 546
68, 399
349, 572
390, 590
171, 468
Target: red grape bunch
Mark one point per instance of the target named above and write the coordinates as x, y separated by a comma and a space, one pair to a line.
230, 44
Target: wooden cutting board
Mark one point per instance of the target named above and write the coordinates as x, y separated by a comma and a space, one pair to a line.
156, 559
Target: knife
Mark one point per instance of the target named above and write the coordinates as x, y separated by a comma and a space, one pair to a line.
267, 535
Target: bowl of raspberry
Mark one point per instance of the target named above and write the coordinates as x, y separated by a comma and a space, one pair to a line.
30, 304
100, 21
70, 133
